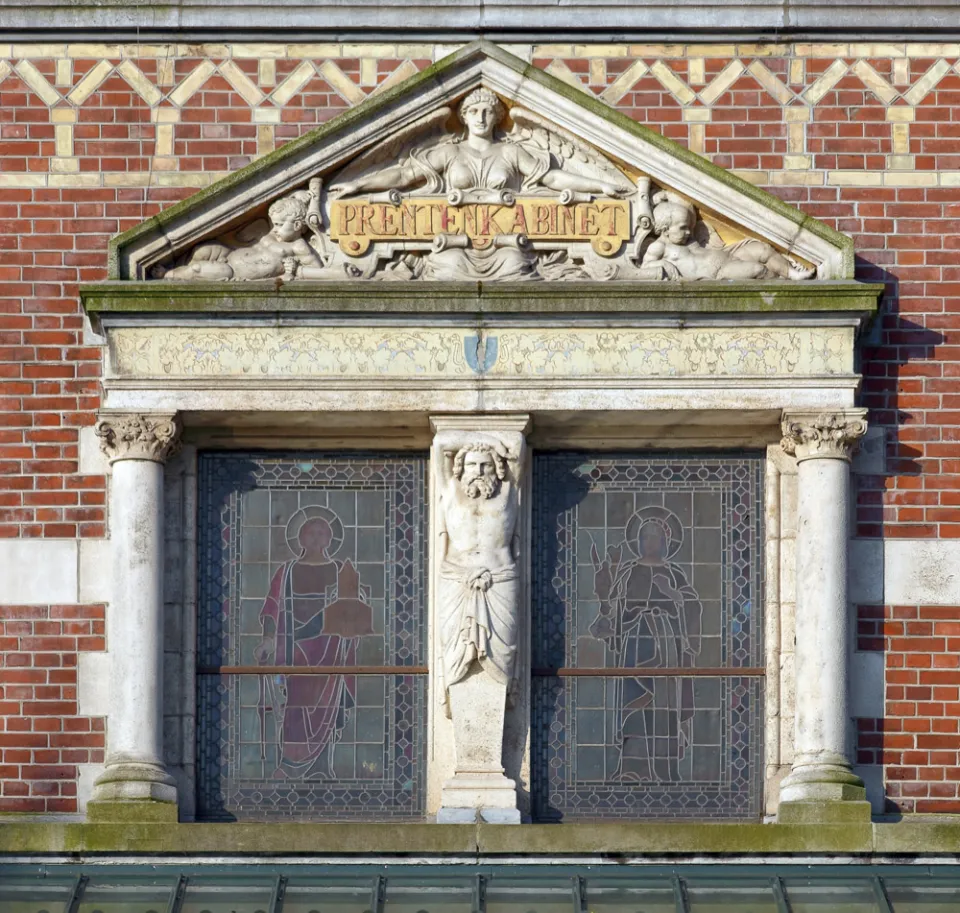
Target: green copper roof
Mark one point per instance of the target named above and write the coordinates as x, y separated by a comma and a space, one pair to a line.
331, 888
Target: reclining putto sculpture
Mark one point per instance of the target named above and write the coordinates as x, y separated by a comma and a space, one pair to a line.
461, 197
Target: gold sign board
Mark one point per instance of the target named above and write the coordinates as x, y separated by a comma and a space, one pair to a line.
605, 223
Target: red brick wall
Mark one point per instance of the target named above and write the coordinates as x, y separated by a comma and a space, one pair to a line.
42, 737
66, 187
918, 740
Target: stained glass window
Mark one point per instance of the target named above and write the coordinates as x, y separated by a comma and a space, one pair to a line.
647, 636
312, 600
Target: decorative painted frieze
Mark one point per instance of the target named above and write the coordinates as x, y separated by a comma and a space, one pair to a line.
508, 352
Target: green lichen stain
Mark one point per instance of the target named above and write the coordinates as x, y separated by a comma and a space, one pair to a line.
634, 838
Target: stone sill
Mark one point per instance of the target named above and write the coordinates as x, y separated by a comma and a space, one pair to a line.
927, 836
661, 299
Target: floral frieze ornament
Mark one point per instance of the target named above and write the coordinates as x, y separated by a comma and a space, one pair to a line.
481, 193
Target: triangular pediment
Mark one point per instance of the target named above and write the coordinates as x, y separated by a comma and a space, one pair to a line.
481, 168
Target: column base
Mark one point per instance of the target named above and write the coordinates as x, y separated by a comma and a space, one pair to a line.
478, 815
135, 781
824, 790
485, 790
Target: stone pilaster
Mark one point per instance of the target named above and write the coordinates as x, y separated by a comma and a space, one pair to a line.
480, 674
821, 776
135, 782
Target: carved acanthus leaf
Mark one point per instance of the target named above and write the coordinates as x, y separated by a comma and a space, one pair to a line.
823, 435
136, 436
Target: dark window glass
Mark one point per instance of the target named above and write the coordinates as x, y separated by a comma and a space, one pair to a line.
647, 636
311, 564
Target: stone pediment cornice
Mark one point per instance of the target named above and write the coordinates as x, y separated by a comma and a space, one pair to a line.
596, 197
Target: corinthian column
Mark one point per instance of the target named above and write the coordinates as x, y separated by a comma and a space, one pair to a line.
480, 611
821, 773
136, 446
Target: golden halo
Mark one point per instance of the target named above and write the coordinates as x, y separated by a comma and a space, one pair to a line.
667, 520
312, 512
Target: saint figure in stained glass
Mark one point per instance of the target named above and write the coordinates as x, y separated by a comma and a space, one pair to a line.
313, 616
649, 616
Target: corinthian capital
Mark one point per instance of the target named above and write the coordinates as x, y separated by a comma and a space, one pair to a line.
135, 436
823, 435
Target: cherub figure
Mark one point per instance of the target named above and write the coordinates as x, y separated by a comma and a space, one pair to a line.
282, 252
679, 254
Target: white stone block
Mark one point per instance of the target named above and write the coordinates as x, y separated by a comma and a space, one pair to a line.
95, 568
93, 684
500, 815
872, 777
866, 685
788, 506
457, 816
90, 336
38, 571
865, 571
870, 458
921, 572
86, 777
93, 460
904, 572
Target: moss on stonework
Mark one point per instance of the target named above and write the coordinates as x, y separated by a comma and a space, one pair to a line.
477, 299
845, 812
133, 812
423, 838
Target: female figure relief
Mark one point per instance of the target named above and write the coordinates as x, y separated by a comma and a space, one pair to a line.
487, 166
479, 160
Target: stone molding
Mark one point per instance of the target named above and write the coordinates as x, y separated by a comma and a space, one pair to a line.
823, 435
878, 20
138, 436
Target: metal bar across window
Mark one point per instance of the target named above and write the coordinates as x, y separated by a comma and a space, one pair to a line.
645, 672
312, 670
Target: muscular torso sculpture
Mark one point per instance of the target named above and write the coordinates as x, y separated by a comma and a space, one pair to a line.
479, 581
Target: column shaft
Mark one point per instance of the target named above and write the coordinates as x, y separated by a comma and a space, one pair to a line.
136, 446
136, 618
821, 772
821, 624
